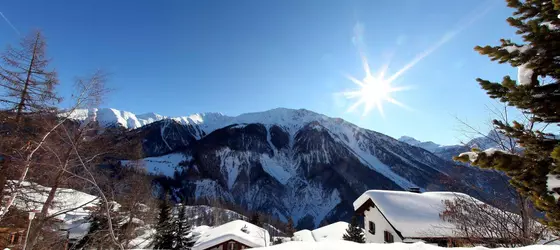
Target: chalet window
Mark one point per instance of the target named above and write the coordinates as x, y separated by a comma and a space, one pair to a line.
371, 227
231, 246
388, 237
15, 238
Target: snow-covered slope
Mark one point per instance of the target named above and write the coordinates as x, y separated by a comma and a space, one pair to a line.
333, 231
290, 119
267, 160
109, 117
428, 145
165, 164
492, 140
330, 232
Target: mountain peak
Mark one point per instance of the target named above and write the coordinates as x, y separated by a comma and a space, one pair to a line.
427, 145
289, 118
410, 140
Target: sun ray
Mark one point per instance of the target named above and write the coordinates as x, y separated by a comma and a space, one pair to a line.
355, 105
352, 94
383, 70
473, 17
380, 108
366, 65
356, 81
400, 88
400, 104
367, 108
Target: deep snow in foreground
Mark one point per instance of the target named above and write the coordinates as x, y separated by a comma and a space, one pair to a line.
333, 231
347, 245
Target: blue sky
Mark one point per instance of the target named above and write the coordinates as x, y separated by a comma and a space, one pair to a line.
181, 57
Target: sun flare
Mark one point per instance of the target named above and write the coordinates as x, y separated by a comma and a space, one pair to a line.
373, 91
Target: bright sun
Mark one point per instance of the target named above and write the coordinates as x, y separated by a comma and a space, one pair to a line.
373, 91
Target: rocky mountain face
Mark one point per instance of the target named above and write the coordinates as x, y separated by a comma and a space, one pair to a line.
289, 163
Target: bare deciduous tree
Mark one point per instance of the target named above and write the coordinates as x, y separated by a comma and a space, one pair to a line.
136, 200
479, 223
511, 221
24, 75
50, 140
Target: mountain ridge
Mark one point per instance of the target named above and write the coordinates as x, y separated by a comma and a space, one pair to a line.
208, 120
287, 162
493, 139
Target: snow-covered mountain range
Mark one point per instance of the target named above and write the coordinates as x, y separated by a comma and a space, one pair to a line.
427, 145
286, 162
493, 139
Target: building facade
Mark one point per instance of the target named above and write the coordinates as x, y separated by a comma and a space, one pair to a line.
11, 237
406, 216
377, 228
229, 245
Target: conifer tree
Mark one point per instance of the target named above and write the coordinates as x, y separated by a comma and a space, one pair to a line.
537, 94
354, 232
290, 230
28, 85
164, 228
183, 229
96, 225
98, 233
256, 219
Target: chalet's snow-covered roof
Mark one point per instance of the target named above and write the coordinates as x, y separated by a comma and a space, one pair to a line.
252, 236
69, 205
32, 196
333, 231
415, 215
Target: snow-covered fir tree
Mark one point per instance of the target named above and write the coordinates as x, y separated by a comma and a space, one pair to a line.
256, 219
182, 230
354, 232
290, 230
99, 233
163, 238
537, 94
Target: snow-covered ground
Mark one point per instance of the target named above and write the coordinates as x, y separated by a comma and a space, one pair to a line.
165, 165
553, 184
329, 232
347, 245
324, 238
